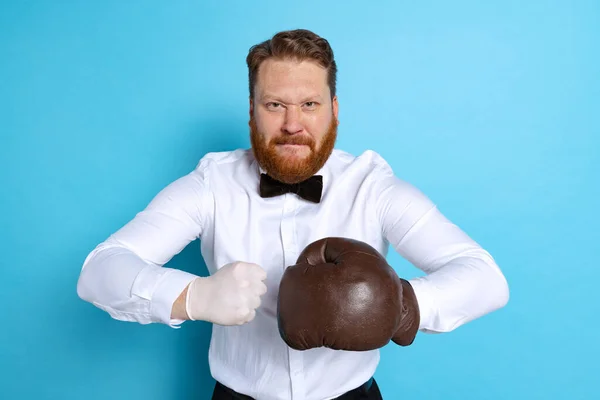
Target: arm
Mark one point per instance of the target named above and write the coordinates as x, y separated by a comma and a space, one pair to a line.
462, 281
125, 275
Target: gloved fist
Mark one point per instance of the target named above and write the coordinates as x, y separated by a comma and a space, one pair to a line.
228, 297
342, 294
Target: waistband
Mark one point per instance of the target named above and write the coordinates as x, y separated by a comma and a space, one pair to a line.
364, 388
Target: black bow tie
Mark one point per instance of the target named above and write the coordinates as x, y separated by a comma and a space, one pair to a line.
309, 189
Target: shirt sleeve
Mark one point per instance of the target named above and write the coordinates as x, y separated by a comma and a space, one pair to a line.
125, 275
462, 281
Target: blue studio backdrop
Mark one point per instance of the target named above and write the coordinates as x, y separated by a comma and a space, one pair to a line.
490, 108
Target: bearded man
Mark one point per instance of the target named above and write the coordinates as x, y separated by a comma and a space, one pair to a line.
254, 212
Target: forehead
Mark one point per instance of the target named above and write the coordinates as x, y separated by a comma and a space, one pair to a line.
290, 77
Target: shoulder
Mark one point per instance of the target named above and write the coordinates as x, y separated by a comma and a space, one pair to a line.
377, 174
222, 162
367, 156
369, 162
220, 158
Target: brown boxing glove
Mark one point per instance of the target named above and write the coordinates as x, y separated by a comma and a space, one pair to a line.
342, 294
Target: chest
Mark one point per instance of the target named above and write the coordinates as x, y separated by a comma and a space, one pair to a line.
273, 232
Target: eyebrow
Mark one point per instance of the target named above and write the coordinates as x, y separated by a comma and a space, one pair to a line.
280, 100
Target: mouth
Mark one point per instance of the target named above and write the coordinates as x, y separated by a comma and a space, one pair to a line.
293, 149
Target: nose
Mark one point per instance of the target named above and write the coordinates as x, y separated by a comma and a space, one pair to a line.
293, 121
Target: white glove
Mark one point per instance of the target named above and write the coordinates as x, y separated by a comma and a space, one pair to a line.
229, 297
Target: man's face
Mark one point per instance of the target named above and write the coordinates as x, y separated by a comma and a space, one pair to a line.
293, 120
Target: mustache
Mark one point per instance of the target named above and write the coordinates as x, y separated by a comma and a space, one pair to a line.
294, 140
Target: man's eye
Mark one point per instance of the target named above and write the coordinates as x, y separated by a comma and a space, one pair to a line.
273, 105
310, 104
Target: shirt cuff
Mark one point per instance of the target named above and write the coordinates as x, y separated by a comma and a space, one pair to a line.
161, 287
427, 310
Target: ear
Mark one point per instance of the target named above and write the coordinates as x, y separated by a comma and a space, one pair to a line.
335, 106
251, 108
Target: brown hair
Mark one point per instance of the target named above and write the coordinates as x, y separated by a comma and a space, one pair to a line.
299, 44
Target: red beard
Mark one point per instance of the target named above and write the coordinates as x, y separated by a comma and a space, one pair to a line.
292, 171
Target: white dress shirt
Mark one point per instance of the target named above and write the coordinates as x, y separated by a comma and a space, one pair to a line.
218, 202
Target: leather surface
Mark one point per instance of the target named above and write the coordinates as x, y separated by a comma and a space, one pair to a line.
342, 294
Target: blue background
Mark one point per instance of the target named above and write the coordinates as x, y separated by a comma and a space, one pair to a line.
488, 107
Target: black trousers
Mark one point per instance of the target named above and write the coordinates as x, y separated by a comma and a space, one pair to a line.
368, 391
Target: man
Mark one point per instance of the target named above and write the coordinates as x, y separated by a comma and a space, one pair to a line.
250, 232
